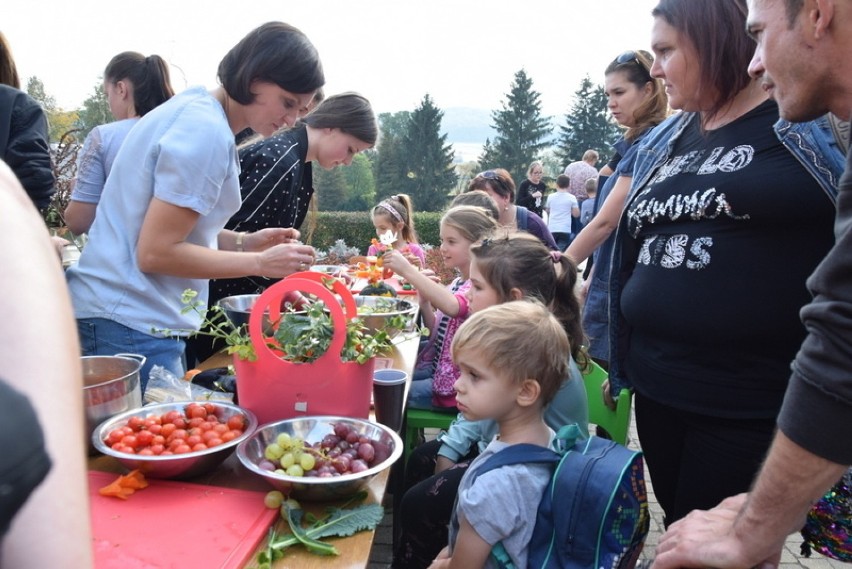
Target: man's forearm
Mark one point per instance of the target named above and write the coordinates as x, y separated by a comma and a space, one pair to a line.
790, 481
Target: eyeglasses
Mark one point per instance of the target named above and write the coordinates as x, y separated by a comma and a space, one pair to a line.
489, 175
633, 57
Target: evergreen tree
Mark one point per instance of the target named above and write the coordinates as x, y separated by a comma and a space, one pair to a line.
330, 187
587, 125
522, 132
95, 111
429, 172
488, 159
389, 165
360, 185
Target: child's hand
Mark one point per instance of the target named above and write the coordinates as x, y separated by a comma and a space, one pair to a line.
396, 261
430, 274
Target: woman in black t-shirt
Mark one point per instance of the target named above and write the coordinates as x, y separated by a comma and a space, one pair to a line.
720, 231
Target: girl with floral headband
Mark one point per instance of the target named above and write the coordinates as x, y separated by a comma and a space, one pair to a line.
393, 219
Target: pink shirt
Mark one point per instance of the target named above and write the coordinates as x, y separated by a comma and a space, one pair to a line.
446, 373
579, 172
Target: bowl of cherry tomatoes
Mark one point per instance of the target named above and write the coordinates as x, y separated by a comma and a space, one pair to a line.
175, 440
321, 457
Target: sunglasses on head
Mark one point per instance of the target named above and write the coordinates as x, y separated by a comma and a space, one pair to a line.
489, 175
632, 57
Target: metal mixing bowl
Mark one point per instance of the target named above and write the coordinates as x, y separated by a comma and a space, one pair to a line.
177, 466
238, 308
330, 270
375, 311
111, 385
312, 430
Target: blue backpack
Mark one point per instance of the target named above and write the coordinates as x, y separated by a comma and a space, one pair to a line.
594, 511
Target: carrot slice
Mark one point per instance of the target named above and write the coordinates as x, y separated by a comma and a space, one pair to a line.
124, 486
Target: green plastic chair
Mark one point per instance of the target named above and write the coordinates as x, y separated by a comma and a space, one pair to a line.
616, 423
418, 419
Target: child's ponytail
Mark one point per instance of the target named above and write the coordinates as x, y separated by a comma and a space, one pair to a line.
521, 261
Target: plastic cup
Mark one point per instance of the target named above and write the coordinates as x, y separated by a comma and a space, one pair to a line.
389, 396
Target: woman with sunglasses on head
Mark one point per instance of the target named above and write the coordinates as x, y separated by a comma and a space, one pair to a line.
638, 103
728, 213
159, 228
499, 185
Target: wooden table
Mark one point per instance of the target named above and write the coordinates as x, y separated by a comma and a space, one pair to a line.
354, 550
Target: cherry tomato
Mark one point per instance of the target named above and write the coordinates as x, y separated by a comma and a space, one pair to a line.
171, 416
195, 411
144, 438
237, 422
136, 423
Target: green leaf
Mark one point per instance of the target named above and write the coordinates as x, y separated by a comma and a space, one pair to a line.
346, 522
314, 545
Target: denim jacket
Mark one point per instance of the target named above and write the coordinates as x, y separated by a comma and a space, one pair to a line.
812, 143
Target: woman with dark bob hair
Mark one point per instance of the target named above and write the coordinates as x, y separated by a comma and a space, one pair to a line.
729, 211
160, 224
276, 179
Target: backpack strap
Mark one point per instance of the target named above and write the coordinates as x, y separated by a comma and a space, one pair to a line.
515, 454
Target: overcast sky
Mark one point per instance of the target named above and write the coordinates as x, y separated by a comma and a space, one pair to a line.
463, 53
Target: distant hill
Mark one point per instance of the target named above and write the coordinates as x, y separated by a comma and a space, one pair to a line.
464, 124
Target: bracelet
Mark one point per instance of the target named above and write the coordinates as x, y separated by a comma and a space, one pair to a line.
239, 245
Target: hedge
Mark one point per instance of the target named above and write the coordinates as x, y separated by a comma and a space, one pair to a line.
322, 229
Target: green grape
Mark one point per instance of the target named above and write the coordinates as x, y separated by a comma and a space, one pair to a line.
287, 460
295, 470
307, 461
273, 499
273, 452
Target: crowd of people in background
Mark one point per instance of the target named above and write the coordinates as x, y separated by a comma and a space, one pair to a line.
715, 239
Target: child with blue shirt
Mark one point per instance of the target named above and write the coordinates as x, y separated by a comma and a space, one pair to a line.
512, 362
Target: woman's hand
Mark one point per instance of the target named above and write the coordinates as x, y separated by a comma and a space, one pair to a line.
607, 396
269, 237
584, 290
278, 261
442, 559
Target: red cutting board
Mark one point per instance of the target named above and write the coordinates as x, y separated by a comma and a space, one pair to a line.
176, 525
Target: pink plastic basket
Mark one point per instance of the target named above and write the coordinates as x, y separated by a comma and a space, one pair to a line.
274, 389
